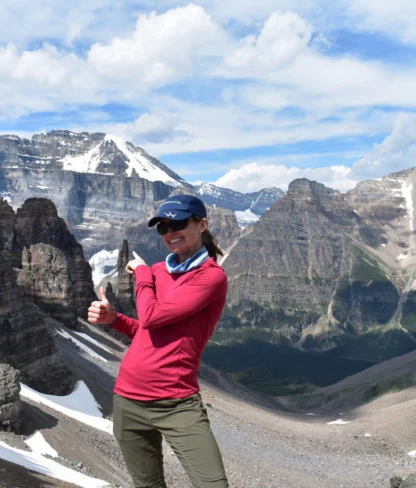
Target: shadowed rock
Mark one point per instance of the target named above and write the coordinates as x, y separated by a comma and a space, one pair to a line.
10, 405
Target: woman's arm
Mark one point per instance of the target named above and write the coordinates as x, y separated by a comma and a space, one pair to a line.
125, 325
200, 290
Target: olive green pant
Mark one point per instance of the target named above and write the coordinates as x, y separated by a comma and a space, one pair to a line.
139, 426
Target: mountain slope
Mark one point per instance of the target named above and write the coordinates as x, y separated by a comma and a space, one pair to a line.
308, 452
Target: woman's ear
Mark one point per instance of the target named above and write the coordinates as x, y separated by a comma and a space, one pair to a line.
204, 225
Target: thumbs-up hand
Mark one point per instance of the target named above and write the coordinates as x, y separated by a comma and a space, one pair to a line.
101, 312
132, 265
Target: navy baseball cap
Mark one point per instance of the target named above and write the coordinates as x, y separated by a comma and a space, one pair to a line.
179, 207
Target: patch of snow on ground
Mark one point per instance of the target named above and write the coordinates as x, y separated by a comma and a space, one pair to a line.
246, 217
39, 464
339, 422
79, 405
412, 454
81, 345
39, 446
402, 256
103, 265
93, 341
367, 434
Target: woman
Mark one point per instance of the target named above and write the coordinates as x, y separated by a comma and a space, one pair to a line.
179, 302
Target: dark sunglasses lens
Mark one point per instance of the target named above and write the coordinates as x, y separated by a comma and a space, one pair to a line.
173, 225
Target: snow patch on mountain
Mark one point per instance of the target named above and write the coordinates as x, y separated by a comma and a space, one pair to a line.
407, 190
135, 159
246, 217
84, 163
103, 265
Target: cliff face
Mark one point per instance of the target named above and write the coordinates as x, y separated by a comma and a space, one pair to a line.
305, 272
25, 343
54, 272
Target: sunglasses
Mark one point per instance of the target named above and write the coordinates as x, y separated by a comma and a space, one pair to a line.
173, 226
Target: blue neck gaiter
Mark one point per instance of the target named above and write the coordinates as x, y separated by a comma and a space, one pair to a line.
193, 262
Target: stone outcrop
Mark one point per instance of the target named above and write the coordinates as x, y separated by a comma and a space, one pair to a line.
10, 404
399, 482
125, 295
54, 273
8, 243
25, 343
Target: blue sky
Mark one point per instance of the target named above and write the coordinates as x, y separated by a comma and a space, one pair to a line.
245, 94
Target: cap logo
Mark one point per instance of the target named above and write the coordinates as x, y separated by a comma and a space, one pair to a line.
170, 215
171, 201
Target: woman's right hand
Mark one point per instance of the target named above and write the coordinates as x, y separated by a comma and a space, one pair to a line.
101, 312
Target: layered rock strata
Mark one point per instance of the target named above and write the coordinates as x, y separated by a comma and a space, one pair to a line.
10, 404
54, 273
25, 343
304, 271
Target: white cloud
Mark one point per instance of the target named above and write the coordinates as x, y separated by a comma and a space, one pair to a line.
395, 153
396, 19
24, 20
283, 36
252, 177
161, 50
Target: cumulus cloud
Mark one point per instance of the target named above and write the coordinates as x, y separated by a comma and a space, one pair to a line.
281, 39
161, 50
254, 176
395, 153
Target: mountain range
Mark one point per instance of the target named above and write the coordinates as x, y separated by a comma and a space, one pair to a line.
316, 270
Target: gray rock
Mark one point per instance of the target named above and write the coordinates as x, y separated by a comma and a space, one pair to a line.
409, 482
54, 273
25, 343
10, 404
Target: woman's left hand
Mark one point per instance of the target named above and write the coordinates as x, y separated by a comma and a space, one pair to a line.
132, 265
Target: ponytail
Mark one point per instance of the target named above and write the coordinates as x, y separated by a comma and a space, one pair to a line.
209, 242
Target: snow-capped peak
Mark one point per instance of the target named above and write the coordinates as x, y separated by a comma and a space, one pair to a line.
98, 160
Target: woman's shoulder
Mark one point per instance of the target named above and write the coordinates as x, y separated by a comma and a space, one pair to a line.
213, 268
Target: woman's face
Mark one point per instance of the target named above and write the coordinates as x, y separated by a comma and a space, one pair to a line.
185, 243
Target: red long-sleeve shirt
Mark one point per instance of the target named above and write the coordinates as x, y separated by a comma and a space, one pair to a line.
177, 315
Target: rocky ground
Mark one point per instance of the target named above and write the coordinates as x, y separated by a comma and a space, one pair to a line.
262, 446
